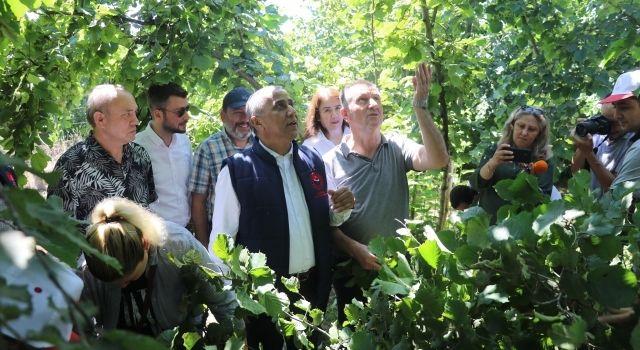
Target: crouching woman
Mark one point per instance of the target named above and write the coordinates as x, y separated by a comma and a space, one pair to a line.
146, 297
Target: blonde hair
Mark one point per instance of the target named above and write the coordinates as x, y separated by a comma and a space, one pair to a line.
120, 228
540, 147
312, 122
100, 97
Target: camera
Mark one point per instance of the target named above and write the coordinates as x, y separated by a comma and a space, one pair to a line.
597, 124
521, 155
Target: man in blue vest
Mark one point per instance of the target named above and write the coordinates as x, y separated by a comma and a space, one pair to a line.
273, 198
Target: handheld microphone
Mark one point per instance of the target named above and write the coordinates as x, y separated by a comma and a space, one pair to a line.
539, 167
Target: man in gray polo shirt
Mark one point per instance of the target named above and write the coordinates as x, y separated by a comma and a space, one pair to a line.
374, 168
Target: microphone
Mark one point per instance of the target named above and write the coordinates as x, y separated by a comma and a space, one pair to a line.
539, 167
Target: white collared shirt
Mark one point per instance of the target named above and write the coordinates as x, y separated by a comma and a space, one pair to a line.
321, 143
226, 213
171, 167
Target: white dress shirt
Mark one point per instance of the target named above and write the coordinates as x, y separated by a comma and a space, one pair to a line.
171, 165
321, 143
226, 213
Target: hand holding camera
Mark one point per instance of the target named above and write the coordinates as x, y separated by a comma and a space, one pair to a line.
506, 153
598, 124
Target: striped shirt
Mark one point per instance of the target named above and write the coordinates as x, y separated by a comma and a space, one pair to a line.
207, 162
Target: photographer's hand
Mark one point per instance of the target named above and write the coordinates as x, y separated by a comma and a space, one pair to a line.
583, 143
503, 154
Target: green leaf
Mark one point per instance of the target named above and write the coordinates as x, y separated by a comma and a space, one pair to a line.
260, 272
403, 268
523, 189
430, 253
467, 255
190, 339
491, 294
377, 246
221, 247
18, 8
202, 62
552, 213
413, 55
477, 232
292, 284
391, 288
457, 311
612, 286
569, 336
605, 247
274, 303
361, 340
245, 302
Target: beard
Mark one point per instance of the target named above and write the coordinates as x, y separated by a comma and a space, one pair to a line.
233, 132
173, 129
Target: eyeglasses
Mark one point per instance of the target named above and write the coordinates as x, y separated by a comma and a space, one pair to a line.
531, 110
179, 112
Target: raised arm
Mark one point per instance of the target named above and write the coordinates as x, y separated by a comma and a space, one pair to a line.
433, 153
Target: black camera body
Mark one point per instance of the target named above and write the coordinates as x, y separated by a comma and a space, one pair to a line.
597, 124
521, 155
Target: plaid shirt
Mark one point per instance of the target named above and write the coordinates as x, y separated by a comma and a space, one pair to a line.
207, 162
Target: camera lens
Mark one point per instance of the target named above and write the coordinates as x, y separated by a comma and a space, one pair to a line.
598, 124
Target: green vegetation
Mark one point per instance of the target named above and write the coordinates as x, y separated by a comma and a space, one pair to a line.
538, 279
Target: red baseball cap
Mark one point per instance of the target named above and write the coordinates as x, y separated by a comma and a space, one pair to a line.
625, 87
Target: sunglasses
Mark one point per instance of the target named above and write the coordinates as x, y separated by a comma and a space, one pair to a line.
531, 110
179, 112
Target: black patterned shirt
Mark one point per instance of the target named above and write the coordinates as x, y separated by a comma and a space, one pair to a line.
90, 174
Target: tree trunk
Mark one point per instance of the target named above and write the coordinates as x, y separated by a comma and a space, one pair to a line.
443, 212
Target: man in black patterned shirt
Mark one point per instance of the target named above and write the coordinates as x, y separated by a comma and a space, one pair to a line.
107, 163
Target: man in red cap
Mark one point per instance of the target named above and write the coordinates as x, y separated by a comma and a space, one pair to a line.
626, 101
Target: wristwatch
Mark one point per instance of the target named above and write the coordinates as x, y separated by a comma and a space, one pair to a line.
424, 104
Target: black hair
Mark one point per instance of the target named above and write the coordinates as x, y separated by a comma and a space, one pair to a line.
157, 95
461, 194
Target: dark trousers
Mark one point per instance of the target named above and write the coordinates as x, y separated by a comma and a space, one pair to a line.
261, 329
349, 280
344, 295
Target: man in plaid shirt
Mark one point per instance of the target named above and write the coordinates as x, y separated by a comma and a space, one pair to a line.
207, 161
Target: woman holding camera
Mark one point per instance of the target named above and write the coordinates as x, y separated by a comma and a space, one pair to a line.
146, 295
525, 133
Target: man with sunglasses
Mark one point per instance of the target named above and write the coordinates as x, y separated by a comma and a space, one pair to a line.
235, 136
107, 163
170, 150
625, 98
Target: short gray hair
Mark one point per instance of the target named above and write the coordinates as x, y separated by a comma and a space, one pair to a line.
343, 94
101, 96
256, 103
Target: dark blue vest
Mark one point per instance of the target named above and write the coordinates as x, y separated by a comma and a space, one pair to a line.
263, 224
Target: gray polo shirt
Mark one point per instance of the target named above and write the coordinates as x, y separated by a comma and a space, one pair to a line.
630, 169
379, 185
611, 154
